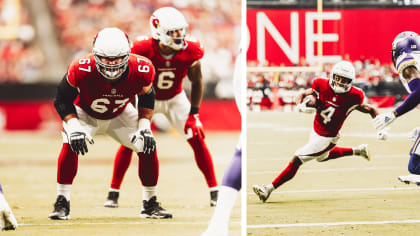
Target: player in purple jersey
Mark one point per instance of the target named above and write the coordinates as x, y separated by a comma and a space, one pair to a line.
7, 219
231, 183
406, 59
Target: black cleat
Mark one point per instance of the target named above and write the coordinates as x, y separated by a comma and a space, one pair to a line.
61, 209
152, 209
112, 200
213, 197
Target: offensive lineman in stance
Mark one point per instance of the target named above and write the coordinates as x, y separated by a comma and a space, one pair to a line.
406, 59
94, 97
174, 57
336, 98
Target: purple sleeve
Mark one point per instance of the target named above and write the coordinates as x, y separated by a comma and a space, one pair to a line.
412, 100
232, 177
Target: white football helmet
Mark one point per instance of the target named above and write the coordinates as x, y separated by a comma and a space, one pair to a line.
164, 22
111, 43
343, 69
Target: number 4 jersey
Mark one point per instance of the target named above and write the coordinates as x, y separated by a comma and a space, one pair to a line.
104, 100
334, 108
169, 71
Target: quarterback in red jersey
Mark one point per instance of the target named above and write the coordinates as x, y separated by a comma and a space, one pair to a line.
94, 97
174, 57
336, 99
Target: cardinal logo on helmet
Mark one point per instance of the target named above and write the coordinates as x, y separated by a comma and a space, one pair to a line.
155, 22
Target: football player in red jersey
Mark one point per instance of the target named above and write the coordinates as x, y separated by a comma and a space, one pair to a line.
336, 98
94, 97
174, 57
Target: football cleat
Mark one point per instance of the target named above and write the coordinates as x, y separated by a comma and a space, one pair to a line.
152, 209
415, 179
112, 200
213, 197
61, 209
363, 151
263, 192
7, 219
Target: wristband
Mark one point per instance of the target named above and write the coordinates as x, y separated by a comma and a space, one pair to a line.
144, 123
193, 110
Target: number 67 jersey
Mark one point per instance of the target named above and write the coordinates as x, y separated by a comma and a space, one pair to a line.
102, 99
334, 108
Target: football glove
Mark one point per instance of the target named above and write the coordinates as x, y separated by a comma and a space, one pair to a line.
302, 107
382, 134
145, 135
77, 136
193, 126
383, 120
414, 134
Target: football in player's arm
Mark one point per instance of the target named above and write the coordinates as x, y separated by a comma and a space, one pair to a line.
94, 97
406, 59
336, 98
175, 57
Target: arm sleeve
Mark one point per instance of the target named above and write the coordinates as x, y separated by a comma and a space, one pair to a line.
147, 100
63, 102
412, 100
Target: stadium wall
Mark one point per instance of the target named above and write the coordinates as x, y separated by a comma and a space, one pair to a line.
284, 36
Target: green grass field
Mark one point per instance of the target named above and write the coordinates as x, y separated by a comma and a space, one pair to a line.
28, 166
347, 196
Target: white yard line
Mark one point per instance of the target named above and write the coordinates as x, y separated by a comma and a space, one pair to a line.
343, 190
161, 222
332, 170
325, 224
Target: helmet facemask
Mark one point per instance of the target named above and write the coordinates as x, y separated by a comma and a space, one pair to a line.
111, 71
340, 84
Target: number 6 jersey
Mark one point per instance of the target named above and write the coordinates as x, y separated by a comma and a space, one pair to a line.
104, 100
169, 71
335, 107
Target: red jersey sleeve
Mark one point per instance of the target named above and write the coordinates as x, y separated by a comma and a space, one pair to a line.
79, 69
316, 84
195, 50
72, 73
142, 46
143, 69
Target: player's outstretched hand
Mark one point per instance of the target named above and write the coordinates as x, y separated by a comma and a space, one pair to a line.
77, 136
414, 134
382, 134
193, 124
383, 120
145, 135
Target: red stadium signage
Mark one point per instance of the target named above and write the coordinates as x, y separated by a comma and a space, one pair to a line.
285, 36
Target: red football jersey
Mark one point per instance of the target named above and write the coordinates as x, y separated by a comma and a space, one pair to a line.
103, 100
335, 107
169, 72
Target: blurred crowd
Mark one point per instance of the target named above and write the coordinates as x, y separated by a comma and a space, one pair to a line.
373, 78
215, 23
20, 58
